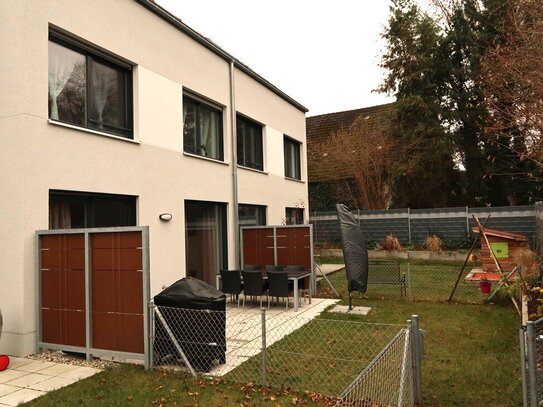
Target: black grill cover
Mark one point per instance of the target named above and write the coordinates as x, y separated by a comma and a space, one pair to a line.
355, 252
192, 293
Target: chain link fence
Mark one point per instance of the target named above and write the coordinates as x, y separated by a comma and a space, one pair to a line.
411, 281
531, 353
351, 360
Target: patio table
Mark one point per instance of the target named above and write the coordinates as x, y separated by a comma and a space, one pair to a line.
294, 276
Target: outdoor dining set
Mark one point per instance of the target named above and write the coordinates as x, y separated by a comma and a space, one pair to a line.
273, 281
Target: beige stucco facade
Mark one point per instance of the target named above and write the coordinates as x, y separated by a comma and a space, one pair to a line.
37, 155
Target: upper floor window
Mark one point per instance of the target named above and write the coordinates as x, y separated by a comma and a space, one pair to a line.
292, 158
88, 90
202, 129
249, 143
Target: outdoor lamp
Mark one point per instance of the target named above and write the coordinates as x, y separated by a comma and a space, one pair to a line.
166, 217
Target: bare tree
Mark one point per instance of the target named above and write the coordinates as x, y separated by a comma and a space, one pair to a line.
512, 80
365, 157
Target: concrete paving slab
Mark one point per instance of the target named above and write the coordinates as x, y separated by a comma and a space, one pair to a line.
53, 383
6, 389
344, 309
19, 397
28, 380
34, 366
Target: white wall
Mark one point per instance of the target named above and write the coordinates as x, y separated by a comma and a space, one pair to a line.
36, 156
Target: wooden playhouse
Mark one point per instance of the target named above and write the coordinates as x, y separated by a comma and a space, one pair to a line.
505, 246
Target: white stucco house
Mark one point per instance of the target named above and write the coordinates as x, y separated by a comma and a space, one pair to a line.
115, 112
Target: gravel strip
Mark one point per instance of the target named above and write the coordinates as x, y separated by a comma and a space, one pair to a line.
60, 357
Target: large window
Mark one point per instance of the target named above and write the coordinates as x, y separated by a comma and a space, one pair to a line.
252, 215
202, 129
294, 216
73, 210
89, 90
205, 240
292, 158
249, 143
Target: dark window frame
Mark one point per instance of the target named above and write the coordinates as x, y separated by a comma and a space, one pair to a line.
263, 214
292, 173
93, 55
90, 201
298, 215
241, 143
210, 106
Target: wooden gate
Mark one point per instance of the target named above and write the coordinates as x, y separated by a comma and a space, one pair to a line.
93, 291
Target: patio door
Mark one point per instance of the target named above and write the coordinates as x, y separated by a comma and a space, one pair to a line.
205, 239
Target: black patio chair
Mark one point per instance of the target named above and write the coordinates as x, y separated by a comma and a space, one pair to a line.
303, 285
231, 283
272, 267
280, 286
253, 285
252, 267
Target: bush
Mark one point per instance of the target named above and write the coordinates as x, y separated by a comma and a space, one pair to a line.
433, 243
390, 243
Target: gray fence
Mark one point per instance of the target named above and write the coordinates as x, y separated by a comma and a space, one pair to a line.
411, 226
531, 354
351, 362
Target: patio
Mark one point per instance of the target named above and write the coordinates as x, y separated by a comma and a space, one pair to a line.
27, 379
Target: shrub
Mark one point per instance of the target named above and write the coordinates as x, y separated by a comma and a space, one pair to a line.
433, 243
390, 243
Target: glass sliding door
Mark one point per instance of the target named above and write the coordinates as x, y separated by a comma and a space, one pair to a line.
205, 239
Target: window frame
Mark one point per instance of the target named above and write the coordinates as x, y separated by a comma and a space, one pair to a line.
211, 106
241, 158
295, 210
91, 55
262, 208
296, 173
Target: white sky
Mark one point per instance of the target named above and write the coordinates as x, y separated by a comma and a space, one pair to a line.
323, 54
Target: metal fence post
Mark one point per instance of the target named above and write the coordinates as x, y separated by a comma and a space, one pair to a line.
531, 354
409, 223
522, 339
264, 365
417, 359
467, 220
409, 294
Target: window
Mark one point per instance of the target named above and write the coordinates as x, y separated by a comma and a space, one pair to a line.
73, 210
205, 240
292, 158
202, 129
249, 143
89, 90
294, 216
252, 215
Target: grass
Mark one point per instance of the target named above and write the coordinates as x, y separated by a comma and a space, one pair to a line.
473, 356
128, 385
425, 282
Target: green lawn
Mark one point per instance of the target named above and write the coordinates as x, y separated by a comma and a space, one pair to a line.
425, 282
132, 386
473, 355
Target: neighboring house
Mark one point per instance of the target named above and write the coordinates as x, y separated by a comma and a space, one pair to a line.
114, 112
327, 171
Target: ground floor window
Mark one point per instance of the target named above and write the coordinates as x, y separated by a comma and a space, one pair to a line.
205, 239
73, 210
294, 216
252, 215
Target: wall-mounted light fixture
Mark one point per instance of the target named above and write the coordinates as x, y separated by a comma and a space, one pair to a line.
166, 217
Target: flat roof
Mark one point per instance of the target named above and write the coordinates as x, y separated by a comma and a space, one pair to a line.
180, 25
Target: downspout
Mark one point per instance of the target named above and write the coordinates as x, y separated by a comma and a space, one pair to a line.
233, 143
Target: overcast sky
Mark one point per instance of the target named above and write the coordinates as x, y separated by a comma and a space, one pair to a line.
325, 55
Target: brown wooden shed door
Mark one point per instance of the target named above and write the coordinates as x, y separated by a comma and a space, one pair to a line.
117, 291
